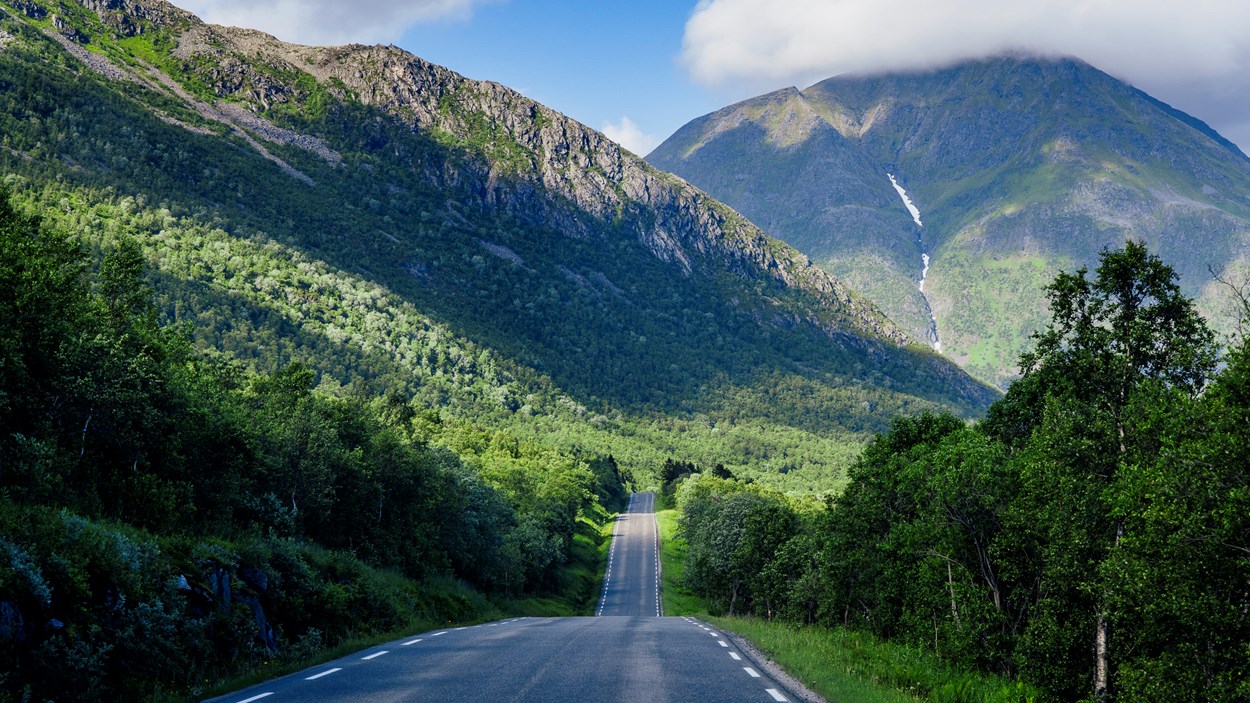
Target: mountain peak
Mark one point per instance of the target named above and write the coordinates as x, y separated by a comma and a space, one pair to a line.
1021, 164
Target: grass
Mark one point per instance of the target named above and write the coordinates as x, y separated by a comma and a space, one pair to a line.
677, 600
843, 665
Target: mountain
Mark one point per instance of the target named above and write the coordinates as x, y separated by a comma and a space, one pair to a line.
399, 227
1018, 166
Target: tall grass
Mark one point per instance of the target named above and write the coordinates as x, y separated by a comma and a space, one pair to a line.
843, 665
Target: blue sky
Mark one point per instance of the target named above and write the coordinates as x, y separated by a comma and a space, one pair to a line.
597, 61
661, 63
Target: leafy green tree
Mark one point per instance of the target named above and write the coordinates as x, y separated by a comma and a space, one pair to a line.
865, 561
1181, 595
43, 276
1109, 336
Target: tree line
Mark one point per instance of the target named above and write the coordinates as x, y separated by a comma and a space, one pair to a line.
167, 517
1091, 535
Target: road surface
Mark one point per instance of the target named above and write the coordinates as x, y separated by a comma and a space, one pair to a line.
625, 654
631, 584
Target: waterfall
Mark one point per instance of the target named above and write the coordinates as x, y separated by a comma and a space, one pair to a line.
924, 259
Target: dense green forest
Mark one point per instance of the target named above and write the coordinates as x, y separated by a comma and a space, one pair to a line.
1091, 535
167, 517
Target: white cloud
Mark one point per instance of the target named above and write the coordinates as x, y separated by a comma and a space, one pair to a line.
1193, 54
329, 21
631, 136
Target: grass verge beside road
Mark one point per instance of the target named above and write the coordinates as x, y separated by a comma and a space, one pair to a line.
677, 600
842, 665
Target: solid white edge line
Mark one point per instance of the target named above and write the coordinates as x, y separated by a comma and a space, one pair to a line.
256, 698
314, 677
776, 694
754, 674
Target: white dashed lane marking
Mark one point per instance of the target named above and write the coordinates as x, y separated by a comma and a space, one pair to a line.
375, 655
410, 643
775, 693
327, 672
256, 698
607, 574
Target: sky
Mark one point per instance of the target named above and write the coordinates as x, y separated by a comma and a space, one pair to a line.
639, 69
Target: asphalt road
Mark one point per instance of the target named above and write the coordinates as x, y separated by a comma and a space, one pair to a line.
631, 585
632, 656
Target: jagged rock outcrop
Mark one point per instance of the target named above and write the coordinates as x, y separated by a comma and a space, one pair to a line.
131, 17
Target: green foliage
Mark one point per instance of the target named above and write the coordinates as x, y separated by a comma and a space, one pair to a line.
108, 612
170, 518
838, 663
678, 599
1103, 501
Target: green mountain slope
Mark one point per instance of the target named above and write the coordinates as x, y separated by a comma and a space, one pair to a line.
396, 225
1019, 167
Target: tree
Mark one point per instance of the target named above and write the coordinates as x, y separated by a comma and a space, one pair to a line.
43, 276
869, 556
1108, 337
126, 293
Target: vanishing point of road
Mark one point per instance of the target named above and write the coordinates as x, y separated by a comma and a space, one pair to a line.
628, 652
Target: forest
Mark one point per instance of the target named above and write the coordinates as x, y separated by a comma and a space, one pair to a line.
169, 518
1090, 536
